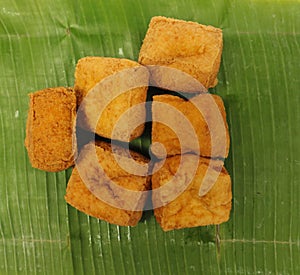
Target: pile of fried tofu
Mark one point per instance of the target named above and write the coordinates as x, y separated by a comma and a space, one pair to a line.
170, 45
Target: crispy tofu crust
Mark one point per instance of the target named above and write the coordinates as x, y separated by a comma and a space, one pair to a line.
187, 46
163, 134
80, 197
50, 130
91, 70
188, 209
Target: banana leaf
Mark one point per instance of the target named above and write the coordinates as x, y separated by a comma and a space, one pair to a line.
40, 43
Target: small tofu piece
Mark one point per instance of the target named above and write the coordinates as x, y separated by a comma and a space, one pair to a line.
211, 105
91, 70
187, 46
189, 209
79, 195
50, 131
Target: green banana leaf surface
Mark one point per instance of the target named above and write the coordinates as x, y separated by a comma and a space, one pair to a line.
259, 81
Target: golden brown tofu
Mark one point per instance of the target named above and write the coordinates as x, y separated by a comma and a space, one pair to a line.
90, 71
50, 130
79, 195
187, 46
213, 124
189, 209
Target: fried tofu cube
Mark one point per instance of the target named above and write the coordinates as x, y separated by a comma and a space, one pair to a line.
90, 71
88, 181
50, 131
189, 209
186, 46
206, 115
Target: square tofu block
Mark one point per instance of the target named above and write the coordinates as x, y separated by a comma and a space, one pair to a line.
50, 129
90, 71
83, 196
189, 209
187, 46
178, 113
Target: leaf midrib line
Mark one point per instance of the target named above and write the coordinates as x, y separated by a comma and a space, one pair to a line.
28, 240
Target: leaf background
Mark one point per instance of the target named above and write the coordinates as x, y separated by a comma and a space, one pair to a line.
40, 43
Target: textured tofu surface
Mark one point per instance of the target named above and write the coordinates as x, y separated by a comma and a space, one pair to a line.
80, 197
50, 129
187, 46
188, 209
210, 105
91, 70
